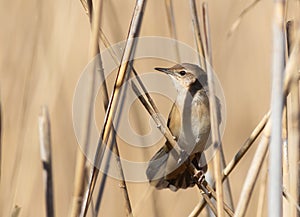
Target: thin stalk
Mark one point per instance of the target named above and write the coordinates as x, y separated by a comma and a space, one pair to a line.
245, 147
113, 145
216, 141
80, 170
46, 158
253, 173
237, 157
262, 190
290, 75
275, 158
294, 126
172, 26
206, 197
0, 138
214, 195
112, 106
114, 56
290, 199
197, 34
237, 22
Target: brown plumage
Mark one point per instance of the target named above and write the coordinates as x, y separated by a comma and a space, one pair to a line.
189, 123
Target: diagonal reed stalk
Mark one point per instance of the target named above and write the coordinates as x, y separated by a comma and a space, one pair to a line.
172, 26
197, 34
293, 117
113, 145
237, 22
262, 190
112, 106
253, 173
277, 102
80, 170
236, 159
46, 158
290, 199
216, 140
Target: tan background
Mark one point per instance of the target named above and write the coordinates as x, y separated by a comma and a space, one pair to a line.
44, 48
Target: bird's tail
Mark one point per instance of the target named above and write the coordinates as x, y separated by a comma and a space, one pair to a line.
161, 176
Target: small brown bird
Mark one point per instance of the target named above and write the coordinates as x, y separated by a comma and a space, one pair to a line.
189, 122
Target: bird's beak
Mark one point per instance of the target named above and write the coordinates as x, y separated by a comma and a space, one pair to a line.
165, 70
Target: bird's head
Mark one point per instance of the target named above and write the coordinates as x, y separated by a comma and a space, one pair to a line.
186, 76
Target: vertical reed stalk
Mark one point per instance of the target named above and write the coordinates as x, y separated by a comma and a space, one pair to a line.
275, 158
237, 157
80, 171
216, 141
172, 26
46, 158
294, 126
197, 34
285, 159
290, 75
0, 137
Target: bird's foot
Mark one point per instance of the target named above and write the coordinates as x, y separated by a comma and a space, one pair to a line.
199, 176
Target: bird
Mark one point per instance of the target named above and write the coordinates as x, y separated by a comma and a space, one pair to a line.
189, 123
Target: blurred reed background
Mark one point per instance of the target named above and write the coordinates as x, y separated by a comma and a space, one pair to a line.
44, 49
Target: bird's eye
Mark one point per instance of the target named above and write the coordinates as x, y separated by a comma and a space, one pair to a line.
182, 73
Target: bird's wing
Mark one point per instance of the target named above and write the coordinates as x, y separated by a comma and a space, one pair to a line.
160, 162
174, 121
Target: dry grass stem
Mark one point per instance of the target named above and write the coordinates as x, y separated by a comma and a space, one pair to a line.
172, 26
253, 173
80, 170
227, 209
262, 190
237, 22
97, 33
285, 158
0, 137
197, 34
114, 56
216, 141
290, 199
238, 156
294, 126
277, 102
112, 106
245, 147
290, 75
46, 158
